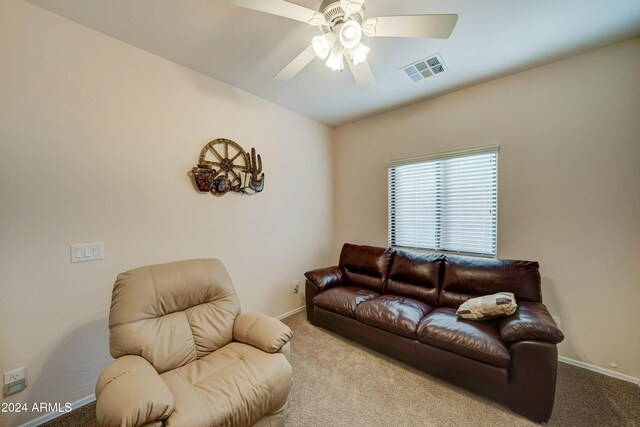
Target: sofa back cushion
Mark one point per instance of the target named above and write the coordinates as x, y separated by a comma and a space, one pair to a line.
366, 266
468, 277
172, 314
415, 275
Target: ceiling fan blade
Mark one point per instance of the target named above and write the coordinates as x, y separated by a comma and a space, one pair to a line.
283, 8
362, 74
297, 65
427, 26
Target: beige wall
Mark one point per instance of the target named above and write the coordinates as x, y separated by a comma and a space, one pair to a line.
96, 141
569, 185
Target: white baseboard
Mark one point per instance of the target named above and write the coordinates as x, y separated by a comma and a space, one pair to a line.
48, 417
291, 313
598, 369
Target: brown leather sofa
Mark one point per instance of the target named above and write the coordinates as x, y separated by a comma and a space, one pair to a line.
404, 304
187, 357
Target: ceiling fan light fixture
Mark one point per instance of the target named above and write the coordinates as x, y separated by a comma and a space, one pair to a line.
323, 44
359, 54
336, 58
342, 24
350, 34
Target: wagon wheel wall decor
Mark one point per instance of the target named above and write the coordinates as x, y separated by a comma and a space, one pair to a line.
224, 166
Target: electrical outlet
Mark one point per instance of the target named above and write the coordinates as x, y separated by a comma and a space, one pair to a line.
13, 376
295, 286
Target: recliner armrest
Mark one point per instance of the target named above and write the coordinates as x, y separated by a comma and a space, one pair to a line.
327, 278
261, 331
531, 321
131, 393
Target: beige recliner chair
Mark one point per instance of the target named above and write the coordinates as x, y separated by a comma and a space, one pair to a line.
187, 357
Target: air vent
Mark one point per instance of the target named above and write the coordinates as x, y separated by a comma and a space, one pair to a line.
425, 68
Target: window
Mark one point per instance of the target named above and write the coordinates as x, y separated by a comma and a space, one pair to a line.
445, 202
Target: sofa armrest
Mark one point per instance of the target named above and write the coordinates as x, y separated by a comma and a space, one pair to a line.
327, 278
531, 321
131, 393
261, 331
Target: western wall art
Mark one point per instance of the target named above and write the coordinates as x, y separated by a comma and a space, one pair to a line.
224, 166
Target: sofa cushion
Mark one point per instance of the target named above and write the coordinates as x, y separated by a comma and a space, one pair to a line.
344, 299
395, 314
415, 275
469, 277
476, 340
366, 266
233, 386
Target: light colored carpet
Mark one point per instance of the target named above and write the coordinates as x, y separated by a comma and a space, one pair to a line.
340, 383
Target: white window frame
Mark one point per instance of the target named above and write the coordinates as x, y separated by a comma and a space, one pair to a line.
391, 165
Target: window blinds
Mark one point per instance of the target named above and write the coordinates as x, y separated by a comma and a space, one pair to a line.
447, 203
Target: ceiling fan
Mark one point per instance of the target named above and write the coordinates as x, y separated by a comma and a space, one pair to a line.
342, 24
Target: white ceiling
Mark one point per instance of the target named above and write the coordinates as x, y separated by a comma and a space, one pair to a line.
246, 48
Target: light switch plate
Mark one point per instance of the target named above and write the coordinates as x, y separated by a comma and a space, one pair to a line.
87, 252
